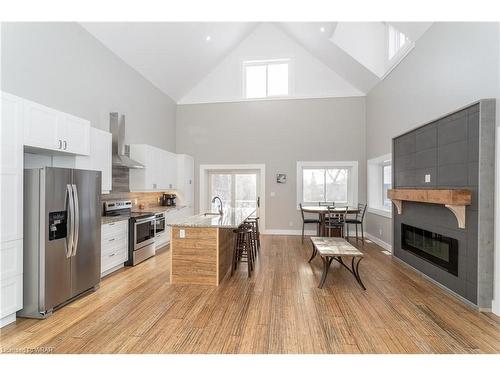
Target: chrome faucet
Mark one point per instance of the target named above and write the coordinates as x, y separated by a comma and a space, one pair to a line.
220, 203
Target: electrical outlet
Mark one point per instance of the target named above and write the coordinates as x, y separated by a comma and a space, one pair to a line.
427, 178
380, 231
290, 223
182, 233
273, 194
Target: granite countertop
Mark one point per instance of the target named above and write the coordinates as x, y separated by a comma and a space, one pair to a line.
112, 219
157, 209
154, 209
231, 218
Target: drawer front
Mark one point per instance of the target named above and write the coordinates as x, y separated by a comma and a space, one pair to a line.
162, 240
11, 259
113, 259
116, 228
113, 244
11, 295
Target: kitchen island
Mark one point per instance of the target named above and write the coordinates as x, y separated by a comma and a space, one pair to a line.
201, 246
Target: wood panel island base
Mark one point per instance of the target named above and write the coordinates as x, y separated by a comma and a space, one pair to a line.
201, 247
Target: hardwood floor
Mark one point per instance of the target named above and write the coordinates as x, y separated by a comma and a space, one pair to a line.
279, 310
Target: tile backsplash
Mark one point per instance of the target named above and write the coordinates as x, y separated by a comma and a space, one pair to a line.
147, 199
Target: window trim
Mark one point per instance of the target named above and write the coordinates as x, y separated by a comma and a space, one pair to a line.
375, 184
267, 62
386, 163
352, 182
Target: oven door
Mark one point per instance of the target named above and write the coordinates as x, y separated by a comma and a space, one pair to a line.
160, 226
144, 232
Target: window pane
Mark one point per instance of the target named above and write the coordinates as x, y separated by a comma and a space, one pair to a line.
387, 182
221, 186
277, 79
392, 42
313, 185
246, 191
255, 81
336, 185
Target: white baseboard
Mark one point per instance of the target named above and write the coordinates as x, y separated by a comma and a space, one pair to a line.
379, 242
288, 232
7, 320
298, 232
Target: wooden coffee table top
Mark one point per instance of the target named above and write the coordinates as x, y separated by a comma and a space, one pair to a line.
335, 247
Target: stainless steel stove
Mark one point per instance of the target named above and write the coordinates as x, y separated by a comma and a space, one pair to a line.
141, 244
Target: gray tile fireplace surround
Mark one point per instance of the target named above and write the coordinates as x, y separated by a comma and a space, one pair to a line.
457, 151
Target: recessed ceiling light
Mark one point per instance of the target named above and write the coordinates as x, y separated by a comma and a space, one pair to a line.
322, 29
208, 38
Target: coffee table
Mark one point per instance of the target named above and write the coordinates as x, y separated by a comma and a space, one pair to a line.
335, 248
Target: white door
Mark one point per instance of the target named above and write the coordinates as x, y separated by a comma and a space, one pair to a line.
236, 188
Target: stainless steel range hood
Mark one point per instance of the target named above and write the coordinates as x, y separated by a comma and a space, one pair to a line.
121, 158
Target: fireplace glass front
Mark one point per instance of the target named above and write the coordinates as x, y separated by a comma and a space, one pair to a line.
435, 248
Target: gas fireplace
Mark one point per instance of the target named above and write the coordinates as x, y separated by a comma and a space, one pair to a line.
435, 248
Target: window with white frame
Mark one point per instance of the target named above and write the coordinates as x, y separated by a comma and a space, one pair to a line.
327, 182
397, 42
266, 78
379, 182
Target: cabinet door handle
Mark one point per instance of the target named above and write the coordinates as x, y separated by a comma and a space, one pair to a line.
111, 224
112, 239
112, 255
60, 144
65, 144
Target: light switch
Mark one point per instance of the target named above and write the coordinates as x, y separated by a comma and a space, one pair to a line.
182, 233
273, 194
427, 178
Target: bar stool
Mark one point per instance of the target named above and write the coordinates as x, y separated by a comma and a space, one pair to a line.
254, 222
243, 248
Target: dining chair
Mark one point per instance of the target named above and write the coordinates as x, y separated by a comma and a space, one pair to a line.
357, 220
336, 220
308, 221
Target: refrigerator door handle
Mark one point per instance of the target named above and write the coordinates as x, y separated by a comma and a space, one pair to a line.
77, 220
69, 238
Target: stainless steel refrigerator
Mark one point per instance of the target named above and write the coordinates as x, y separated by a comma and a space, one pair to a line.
62, 237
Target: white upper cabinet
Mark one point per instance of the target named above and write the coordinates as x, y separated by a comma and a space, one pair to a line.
185, 180
99, 158
11, 168
41, 126
160, 169
75, 134
49, 129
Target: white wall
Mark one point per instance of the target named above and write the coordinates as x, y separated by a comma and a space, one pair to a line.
365, 41
64, 67
452, 65
310, 77
277, 133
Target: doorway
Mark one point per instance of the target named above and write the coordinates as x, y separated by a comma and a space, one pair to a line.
239, 186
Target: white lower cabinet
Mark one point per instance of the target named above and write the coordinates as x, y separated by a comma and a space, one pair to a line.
114, 246
11, 280
163, 239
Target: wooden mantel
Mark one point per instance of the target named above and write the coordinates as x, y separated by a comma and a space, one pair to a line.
453, 199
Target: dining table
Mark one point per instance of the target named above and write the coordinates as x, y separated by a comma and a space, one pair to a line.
323, 210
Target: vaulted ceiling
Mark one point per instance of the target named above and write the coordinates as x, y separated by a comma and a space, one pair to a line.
177, 56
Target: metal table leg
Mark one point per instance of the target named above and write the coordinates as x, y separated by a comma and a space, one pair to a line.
314, 252
327, 261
